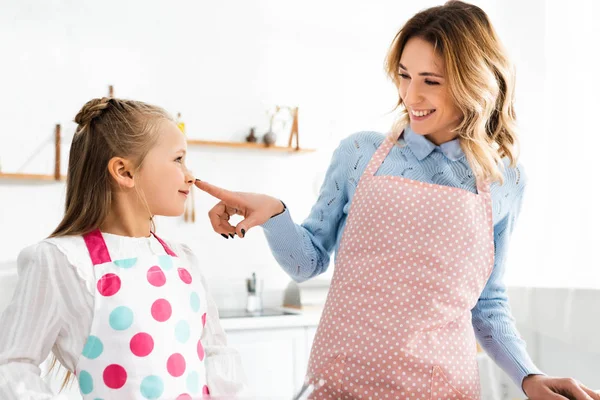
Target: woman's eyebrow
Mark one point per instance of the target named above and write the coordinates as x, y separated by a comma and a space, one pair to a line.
423, 73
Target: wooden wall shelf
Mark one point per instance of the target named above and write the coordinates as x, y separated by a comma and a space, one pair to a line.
245, 145
29, 177
15, 176
56, 177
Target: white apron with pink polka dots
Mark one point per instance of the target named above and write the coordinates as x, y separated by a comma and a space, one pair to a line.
413, 261
144, 341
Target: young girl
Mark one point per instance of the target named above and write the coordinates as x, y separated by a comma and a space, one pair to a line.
123, 310
420, 222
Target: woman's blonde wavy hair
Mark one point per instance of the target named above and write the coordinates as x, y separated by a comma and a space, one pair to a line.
480, 77
106, 127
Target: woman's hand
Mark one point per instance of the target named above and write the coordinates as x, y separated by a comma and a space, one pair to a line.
255, 208
541, 387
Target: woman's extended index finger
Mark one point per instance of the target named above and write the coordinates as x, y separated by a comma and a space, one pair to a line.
230, 198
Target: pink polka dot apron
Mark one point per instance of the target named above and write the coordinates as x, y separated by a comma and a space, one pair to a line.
144, 342
413, 261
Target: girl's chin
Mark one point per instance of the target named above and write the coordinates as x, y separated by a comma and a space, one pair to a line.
177, 212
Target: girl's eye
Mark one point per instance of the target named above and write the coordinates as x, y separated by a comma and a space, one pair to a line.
431, 83
404, 76
179, 159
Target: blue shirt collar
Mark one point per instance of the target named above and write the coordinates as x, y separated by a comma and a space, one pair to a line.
422, 147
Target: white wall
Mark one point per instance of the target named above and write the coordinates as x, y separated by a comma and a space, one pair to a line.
572, 104
222, 64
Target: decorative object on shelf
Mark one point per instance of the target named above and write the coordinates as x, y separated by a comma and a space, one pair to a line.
244, 145
269, 138
180, 123
251, 138
280, 118
291, 118
294, 130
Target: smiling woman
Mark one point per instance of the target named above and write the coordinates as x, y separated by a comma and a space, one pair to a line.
419, 221
424, 94
454, 79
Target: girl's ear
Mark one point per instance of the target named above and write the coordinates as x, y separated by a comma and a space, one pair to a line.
121, 170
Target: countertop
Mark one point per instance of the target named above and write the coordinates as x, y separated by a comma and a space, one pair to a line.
293, 319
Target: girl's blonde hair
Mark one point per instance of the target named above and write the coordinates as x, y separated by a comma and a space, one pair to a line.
106, 127
480, 78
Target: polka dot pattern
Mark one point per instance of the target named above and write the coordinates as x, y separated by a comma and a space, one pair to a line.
412, 263
185, 276
441, 389
108, 285
182, 331
150, 319
86, 383
195, 301
121, 318
114, 376
176, 365
161, 310
200, 349
141, 344
192, 382
152, 387
93, 348
156, 276
126, 263
165, 262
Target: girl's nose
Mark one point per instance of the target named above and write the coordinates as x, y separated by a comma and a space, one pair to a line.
189, 176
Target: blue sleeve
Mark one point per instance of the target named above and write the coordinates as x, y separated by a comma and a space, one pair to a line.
492, 318
303, 251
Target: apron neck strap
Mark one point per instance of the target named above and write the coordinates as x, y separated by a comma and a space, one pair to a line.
165, 246
483, 186
381, 153
97, 247
99, 251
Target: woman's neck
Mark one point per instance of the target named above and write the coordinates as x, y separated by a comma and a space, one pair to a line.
441, 138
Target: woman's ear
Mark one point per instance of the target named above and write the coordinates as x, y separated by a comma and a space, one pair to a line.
121, 171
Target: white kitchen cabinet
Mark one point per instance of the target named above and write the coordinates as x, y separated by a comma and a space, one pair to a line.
310, 332
274, 360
